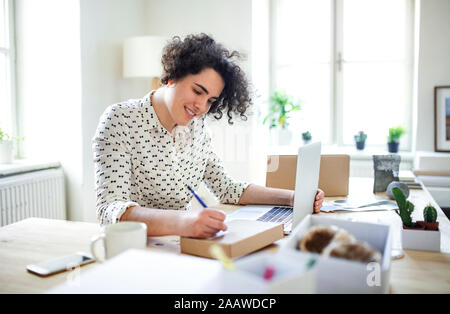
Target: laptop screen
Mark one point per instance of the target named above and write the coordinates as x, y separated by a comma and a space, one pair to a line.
306, 180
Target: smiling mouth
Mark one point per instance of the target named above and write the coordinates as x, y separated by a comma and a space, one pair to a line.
190, 113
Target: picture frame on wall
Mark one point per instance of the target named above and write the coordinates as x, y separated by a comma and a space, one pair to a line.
442, 118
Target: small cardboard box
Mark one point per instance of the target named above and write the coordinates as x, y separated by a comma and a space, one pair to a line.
337, 275
292, 274
423, 240
333, 175
242, 237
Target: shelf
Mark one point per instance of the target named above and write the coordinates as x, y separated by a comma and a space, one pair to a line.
354, 154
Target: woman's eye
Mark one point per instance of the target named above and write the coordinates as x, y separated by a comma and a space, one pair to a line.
197, 92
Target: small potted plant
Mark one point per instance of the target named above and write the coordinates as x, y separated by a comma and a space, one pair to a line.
360, 140
415, 236
429, 218
280, 111
405, 210
307, 137
394, 138
7, 147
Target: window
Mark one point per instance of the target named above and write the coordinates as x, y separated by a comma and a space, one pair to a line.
7, 108
350, 64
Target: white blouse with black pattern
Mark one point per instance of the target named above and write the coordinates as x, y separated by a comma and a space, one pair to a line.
138, 162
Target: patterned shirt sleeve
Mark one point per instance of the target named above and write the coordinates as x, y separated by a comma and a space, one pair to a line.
225, 188
112, 167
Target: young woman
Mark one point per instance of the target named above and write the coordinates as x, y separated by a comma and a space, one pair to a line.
147, 151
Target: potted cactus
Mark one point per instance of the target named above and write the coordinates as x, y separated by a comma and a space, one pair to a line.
405, 210
429, 218
360, 140
306, 136
416, 235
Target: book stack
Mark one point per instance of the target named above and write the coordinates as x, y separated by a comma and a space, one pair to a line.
408, 177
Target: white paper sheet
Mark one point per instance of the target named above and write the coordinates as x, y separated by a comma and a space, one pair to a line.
358, 206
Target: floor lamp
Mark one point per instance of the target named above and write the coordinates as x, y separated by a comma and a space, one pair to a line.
142, 58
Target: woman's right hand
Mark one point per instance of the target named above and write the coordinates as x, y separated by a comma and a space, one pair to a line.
202, 224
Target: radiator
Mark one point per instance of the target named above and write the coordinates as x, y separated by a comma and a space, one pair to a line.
34, 194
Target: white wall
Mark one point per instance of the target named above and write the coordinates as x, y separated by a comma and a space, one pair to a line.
69, 69
433, 65
229, 22
261, 85
49, 86
104, 26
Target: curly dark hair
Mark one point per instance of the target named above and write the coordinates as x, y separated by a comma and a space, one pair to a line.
197, 52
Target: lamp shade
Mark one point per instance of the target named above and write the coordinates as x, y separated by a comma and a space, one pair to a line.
142, 56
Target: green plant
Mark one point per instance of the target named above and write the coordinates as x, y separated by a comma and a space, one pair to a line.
281, 106
360, 137
429, 214
405, 208
395, 133
306, 136
4, 137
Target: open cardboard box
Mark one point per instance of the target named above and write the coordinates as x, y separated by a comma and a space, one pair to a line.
337, 275
293, 273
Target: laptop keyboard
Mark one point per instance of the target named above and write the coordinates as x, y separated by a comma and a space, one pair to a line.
278, 214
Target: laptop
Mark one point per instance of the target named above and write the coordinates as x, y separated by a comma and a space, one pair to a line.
306, 184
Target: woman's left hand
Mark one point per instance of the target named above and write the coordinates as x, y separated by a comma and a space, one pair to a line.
320, 195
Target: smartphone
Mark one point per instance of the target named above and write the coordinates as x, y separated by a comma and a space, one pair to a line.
60, 264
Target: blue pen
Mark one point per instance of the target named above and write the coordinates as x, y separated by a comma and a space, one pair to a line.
197, 197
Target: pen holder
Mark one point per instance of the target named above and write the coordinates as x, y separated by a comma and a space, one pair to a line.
292, 274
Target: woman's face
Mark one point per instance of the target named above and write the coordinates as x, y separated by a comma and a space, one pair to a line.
192, 96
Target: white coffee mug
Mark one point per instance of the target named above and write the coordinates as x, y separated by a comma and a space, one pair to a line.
120, 237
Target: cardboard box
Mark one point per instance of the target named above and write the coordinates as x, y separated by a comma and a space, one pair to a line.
242, 237
423, 240
281, 170
292, 274
337, 275
333, 176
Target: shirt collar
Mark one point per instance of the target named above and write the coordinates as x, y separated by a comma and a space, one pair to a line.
154, 122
